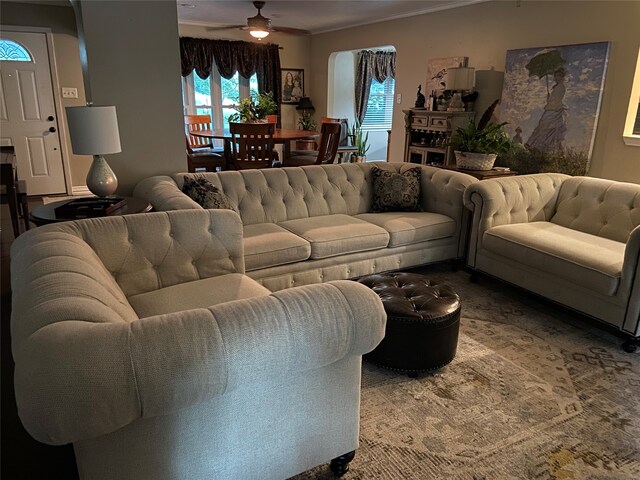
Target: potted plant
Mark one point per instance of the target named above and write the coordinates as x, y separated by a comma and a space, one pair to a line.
477, 146
306, 121
250, 110
360, 140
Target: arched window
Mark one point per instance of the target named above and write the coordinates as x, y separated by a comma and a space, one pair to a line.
13, 52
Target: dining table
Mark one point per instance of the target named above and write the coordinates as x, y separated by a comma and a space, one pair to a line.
282, 136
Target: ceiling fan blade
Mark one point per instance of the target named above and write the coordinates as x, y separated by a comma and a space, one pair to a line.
292, 31
228, 27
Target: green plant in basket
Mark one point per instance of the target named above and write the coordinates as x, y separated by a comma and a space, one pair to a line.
486, 137
476, 146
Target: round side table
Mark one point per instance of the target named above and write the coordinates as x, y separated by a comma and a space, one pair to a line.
46, 214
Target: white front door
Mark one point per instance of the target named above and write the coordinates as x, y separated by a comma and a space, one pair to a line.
28, 119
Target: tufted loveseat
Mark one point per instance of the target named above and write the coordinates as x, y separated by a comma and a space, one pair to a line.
139, 339
574, 240
314, 224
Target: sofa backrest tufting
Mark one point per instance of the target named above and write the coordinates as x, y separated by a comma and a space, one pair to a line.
600, 207
142, 253
279, 194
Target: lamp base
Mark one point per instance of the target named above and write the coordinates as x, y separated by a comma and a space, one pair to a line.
101, 180
456, 104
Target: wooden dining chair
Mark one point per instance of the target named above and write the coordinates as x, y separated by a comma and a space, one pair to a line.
329, 141
15, 190
252, 145
201, 153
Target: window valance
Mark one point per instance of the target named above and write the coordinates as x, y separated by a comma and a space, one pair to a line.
247, 58
378, 65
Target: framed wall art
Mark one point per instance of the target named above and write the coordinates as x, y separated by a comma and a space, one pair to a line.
292, 85
437, 73
551, 100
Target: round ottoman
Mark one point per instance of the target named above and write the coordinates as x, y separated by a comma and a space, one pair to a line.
423, 319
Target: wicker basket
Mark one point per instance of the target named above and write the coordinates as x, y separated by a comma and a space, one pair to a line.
475, 161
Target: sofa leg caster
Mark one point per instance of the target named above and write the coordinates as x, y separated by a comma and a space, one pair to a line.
474, 278
339, 466
631, 344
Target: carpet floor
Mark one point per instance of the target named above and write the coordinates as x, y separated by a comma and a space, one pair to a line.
535, 392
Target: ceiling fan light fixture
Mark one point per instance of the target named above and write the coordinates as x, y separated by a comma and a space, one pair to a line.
259, 34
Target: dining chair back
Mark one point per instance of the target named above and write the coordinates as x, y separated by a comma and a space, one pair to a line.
326, 153
15, 190
201, 153
329, 142
195, 123
252, 145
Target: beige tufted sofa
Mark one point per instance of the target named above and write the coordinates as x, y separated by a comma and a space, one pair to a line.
313, 224
575, 240
140, 340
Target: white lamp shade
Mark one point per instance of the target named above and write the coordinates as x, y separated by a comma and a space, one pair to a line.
93, 130
460, 78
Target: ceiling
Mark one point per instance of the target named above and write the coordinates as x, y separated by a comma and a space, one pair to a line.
316, 16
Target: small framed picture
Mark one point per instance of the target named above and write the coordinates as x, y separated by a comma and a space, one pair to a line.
292, 85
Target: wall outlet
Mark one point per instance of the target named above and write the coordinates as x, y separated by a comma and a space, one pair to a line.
68, 92
399, 98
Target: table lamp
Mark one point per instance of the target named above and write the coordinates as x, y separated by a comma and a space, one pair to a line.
459, 79
94, 131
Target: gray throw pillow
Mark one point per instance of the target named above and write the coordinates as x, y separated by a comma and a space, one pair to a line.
204, 193
396, 191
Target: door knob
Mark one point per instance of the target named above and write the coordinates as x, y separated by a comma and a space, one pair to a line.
50, 118
52, 129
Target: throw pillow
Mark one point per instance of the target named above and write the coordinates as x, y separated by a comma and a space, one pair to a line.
396, 191
204, 193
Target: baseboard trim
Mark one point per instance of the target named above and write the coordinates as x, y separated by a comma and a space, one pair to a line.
80, 191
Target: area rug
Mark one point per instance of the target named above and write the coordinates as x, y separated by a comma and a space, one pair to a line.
535, 392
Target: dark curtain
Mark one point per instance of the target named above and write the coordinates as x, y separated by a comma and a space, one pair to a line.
378, 65
247, 58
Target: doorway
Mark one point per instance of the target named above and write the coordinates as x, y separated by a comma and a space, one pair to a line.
28, 118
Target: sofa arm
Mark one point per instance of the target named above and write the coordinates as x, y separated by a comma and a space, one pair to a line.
76, 380
507, 200
163, 193
630, 283
442, 191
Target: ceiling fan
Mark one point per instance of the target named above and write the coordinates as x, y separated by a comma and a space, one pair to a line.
259, 26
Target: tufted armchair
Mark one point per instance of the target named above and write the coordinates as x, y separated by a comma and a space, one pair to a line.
139, 339
574, 240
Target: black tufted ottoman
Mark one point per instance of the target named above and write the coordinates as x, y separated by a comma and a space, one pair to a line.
423, 319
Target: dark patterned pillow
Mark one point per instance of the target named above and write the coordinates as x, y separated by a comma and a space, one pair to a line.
204, 193
396, 191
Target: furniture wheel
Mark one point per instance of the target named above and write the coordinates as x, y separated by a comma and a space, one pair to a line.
631, 344
340, 465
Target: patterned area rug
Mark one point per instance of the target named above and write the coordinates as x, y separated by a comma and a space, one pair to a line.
535, 392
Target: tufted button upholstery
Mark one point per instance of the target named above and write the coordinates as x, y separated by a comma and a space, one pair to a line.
423, 320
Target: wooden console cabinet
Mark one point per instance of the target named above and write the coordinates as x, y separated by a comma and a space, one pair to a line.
427, 134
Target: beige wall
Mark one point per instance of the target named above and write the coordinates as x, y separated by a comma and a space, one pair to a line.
294, 54
134, 64
62, 23
483, 32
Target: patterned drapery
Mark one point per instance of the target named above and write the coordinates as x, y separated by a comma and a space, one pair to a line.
247, 58
378, 65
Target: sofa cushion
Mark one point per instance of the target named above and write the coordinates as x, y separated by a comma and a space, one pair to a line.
394, 190
267, 245
197, 294
331, 235
406, 228
587, 260
204, 193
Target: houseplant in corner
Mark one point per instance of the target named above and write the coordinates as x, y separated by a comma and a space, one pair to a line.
477, 146
360, 140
